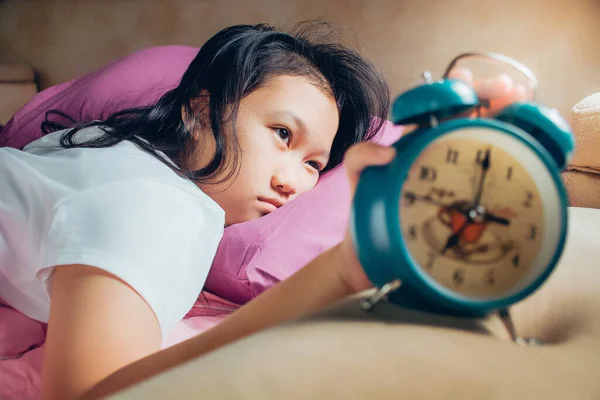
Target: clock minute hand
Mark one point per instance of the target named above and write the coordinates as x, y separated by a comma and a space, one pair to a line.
485, 166
454, 239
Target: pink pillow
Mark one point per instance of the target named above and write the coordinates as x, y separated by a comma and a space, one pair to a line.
252, 256
255, 255
136, 80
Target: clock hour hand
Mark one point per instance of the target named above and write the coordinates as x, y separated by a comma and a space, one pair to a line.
489, 217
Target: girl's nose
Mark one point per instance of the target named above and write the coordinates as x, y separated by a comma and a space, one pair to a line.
285, 181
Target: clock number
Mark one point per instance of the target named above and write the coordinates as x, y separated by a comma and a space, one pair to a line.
458, 277
412, 232
516, 259
509, 172
430, 259
441, 192
452, 156
490, 277
528, 198
427, 174
532, 232
410, 198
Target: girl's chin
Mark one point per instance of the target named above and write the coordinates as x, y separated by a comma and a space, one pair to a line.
245, 218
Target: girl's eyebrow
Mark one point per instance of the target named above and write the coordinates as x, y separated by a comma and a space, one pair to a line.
291, 115
300, 124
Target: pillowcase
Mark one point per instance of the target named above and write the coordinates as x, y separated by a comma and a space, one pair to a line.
252, 256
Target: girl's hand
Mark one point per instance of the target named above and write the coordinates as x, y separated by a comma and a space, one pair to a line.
356, 159
498, 91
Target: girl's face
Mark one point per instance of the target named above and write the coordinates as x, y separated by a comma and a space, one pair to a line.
285, 131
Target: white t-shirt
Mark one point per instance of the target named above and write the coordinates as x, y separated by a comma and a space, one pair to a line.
117, 208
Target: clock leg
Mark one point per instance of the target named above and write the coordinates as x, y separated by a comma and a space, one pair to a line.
504, 315
389, 287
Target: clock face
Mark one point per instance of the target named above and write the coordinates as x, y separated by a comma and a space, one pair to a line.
472, 212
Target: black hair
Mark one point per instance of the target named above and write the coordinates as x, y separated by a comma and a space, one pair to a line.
228, 67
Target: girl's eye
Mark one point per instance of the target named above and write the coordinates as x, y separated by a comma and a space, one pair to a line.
315, 165
283, 134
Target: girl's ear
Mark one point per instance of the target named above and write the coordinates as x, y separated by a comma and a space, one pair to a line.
199, 118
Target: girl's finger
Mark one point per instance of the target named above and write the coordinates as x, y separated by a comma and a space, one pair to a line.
489, 89
462, 74
522, 93
517, 94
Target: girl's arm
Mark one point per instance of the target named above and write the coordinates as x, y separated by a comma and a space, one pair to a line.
97, 325
312, 288
331, 276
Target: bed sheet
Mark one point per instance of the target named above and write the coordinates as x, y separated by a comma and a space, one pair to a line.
22, 343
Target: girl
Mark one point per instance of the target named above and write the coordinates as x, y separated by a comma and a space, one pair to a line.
108, 229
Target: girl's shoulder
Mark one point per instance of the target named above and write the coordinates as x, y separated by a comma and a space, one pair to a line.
81, 169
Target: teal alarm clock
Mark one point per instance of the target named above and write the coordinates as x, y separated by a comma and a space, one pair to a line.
471, 215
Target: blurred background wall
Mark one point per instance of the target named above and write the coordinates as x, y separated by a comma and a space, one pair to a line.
558, 39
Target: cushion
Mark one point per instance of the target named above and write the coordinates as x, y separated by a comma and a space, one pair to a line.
583, 188
252, 256
17, 87
585, 117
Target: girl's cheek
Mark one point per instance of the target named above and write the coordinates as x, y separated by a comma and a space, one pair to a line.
310, 182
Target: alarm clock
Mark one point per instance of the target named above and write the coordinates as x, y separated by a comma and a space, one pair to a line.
471, 215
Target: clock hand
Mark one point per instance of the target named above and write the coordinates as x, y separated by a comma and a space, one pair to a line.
489, 217
454, 239
412, 197
485, 166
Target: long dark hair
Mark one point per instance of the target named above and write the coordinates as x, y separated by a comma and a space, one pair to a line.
232, 64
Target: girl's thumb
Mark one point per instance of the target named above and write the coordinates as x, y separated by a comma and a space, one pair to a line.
363, 155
